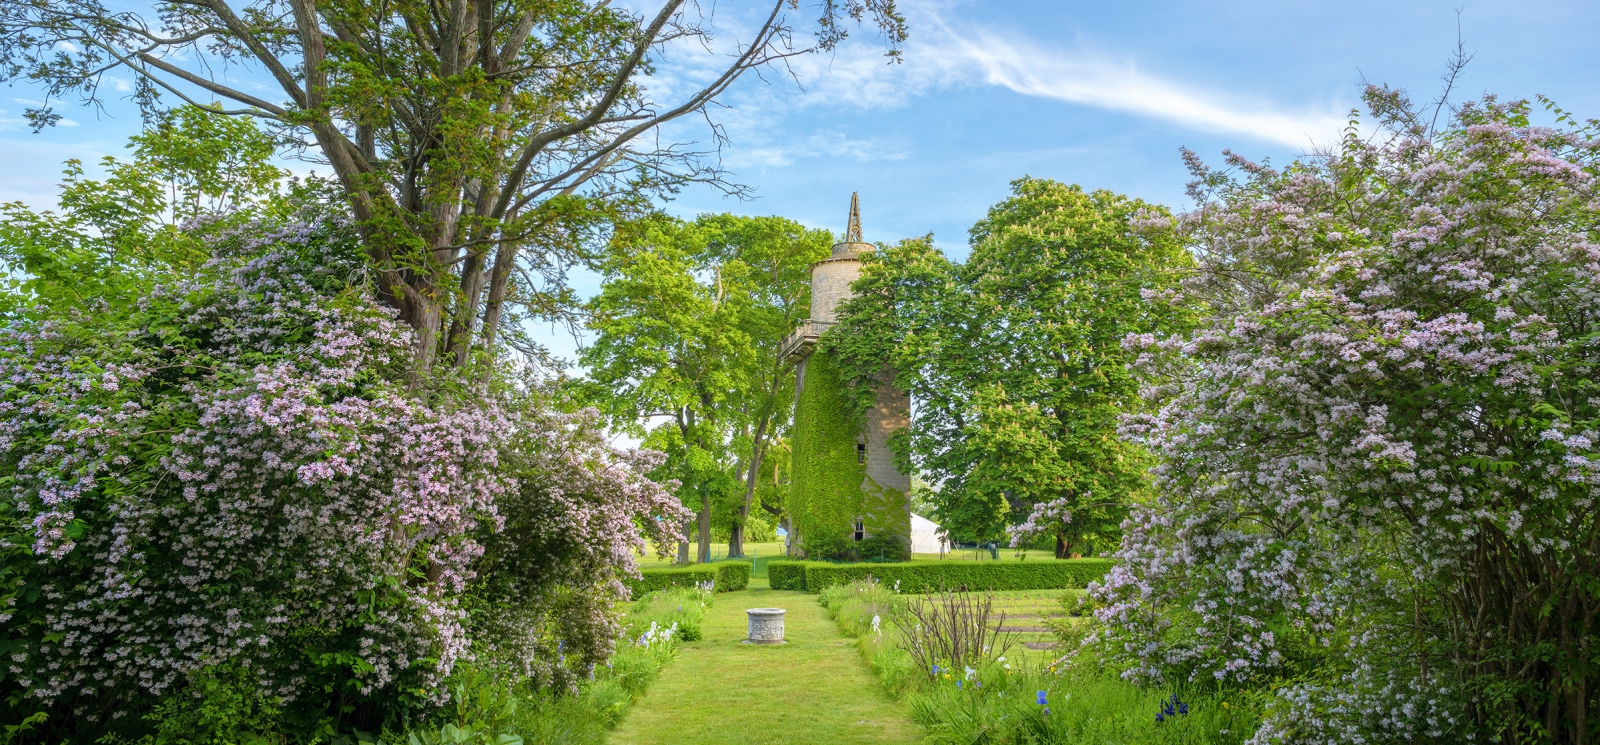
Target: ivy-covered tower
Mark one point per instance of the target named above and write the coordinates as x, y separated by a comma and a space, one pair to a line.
847, 497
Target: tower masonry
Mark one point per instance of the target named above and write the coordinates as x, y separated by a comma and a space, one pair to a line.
886, 506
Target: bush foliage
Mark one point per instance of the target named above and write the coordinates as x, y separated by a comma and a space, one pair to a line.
224, 490
787, 575
1381, 457
723, 576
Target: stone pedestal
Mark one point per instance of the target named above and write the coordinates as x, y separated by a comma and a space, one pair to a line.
766, 625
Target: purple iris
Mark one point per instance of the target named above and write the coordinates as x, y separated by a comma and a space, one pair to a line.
958, 685
1042, 700
1160, 718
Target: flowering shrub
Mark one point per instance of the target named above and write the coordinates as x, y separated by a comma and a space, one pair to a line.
1050, 517
1378, 471
234, 471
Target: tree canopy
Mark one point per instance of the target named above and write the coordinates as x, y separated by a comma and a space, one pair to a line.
1015, 358
687, 327
482, 146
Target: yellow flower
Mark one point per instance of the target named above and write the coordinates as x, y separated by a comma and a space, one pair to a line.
1224, 704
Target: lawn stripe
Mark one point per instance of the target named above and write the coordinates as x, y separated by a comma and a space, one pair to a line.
815, 690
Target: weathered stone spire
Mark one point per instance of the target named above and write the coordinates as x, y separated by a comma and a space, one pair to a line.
852, 234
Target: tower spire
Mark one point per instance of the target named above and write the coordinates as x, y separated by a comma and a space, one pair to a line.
852, 234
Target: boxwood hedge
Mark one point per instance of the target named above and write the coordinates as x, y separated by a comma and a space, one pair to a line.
788, 575
725, 576
928, 576
732, 575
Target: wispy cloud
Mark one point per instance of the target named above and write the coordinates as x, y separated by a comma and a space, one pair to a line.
1074, 76
826, 143
945, 53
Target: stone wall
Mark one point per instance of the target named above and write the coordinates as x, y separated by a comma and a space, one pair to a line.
892, 412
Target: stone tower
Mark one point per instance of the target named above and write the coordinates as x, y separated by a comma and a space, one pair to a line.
888, 509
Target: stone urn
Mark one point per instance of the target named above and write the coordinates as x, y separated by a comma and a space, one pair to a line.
766, 625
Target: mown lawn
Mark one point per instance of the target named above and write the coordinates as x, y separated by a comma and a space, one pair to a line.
812, 691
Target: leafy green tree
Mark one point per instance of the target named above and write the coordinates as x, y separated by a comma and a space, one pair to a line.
481, 145
687, 329
112, 238
1015, 358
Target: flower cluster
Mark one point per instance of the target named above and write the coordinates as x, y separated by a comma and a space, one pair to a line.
1172, 707
657, 635
1046, 518
1380, 461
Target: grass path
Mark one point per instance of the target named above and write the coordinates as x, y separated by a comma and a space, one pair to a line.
815, 690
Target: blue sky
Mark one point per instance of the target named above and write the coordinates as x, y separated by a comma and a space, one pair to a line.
1101, 94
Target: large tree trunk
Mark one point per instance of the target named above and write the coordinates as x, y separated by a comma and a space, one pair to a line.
683, 545
705, 528
757, 451
1061, 547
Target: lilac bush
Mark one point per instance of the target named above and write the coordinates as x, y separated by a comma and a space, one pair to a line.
235, 471
1380, 460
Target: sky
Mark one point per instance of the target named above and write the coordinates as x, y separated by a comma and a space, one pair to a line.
1099, 94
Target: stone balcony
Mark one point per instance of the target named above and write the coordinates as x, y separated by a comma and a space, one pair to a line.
798, 344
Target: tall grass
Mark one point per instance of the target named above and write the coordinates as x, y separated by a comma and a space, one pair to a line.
485, 710
993, 698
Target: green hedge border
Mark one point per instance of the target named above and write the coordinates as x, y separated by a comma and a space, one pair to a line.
788, 575
725, 576
732, 575
929, 576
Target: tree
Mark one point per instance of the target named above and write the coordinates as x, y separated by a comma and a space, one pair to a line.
114, 238
687, 327
777, 255
1015, 357
481, 145
1378, 469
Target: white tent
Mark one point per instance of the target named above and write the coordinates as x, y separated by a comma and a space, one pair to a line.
926, 537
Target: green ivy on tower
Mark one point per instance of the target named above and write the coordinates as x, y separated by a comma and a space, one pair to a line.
825, 494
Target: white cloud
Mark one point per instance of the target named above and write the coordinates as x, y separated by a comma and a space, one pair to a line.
1079, 77
943, 54
826, 143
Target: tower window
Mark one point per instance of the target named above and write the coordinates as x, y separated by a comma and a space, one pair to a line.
861, 530
861, 452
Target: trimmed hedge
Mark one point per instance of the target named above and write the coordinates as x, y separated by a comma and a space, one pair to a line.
732, 575
929, 576
724, 576
660, 578
788, 575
